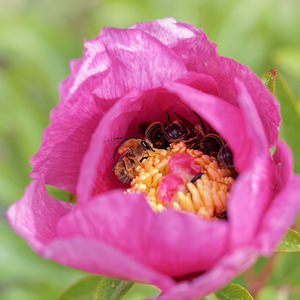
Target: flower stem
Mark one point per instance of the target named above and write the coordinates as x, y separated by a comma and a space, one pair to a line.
255, 282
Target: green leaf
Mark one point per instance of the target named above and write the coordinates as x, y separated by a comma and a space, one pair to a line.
61, 194
290, 242
82, 290
233, 291
95, 288
111, 289
290, 112
142, 291
268, 80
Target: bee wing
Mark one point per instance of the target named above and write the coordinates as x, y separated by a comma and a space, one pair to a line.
116, 161
211, 142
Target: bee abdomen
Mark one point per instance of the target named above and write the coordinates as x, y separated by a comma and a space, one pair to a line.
211, 143
224, 156
121, 172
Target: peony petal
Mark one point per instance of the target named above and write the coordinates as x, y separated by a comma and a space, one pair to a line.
120, 60
190, 44
96, 172
72, 123
170, 242
114, 63
284, 206
283, 159
225, 270
36, 214
138, 61
201, 82
65, 142
249, 197
181, 244
225, 118
167, 30
252, 191
99, 258
252, 119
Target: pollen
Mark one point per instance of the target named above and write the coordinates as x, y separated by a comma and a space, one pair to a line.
205, 193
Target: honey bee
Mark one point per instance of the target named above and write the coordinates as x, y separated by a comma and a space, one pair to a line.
211, 143
225, 156
162, 135
215, 146
132, 151
155, 133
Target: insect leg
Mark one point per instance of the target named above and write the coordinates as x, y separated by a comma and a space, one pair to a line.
196, 177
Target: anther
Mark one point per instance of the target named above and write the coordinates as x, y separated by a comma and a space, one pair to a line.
204, 193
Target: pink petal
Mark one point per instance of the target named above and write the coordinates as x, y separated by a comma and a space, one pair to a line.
283, 159
285, 205
117, 61
225, 118
168, 186
225, 270
36, 214
252, 191
167, 30
97, 257
113, 64
252, 120
200, 55
170, 242
201, 82
137, 61
96, 173
249, 197
66, 140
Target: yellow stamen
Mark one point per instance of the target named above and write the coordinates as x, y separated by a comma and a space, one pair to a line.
206, 196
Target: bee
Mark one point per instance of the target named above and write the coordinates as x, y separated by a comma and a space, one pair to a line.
155, 133
132, 151
214, 145
225, 156
211, 143
162, 135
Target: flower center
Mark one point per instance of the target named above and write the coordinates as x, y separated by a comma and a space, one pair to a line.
184, 179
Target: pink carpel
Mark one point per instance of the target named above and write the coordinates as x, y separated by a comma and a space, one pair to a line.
181, 163
182, 167
168, 187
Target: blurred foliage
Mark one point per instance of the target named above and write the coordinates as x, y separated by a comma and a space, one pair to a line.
97, 288
234, 292
37, 40
290, 242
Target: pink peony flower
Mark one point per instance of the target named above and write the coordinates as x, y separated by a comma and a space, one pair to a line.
127, 77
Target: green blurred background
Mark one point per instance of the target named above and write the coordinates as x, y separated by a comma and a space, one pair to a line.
37, 40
